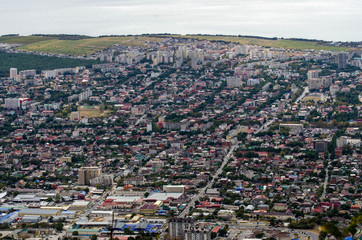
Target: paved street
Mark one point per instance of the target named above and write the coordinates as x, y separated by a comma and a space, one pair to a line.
264, 126
202, 191
325, 183
306, 90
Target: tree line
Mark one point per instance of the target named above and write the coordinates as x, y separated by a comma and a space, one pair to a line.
23, 61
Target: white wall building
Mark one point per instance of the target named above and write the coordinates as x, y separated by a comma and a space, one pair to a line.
233, 82
12, 103
13, 73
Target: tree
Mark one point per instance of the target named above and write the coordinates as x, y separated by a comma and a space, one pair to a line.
59, 226
259, 235
57, 198
94, 237
322, 235
127, 231
347, 150
352, 229
332, 229
223, 232
272, 221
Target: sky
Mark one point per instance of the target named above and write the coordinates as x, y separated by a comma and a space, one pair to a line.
333, 20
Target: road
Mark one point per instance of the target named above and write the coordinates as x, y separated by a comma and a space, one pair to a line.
140, 119
202, 191
264, 126
325, 183
306, 235
306, 90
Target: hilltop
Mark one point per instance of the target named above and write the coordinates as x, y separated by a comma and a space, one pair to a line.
79, 45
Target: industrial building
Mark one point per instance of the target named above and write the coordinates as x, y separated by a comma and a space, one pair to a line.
38, 212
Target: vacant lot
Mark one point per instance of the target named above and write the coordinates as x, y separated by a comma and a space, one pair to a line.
85, 46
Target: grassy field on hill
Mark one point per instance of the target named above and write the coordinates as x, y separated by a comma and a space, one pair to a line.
58, 44
85, 46
24, 39
23, 61
282, 43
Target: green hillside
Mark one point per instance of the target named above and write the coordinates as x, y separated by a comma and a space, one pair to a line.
23, 61
268, 42
83, 45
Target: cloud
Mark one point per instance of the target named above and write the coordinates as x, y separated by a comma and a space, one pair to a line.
321, 19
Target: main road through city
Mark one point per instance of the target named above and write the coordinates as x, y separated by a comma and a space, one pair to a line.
306, 90
202, 191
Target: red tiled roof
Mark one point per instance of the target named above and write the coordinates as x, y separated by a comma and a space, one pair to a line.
216, 229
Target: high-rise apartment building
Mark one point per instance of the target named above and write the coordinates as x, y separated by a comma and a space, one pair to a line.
333, 90
178, 226
102, 180
326, 81
86, 174
197, 234
13, 73
313, 74
341, 60
233, 82
314, 83
321, 146
12, 103
27, 73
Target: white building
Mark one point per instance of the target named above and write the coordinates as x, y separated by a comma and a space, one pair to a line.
50, 74
27, 73
12, 103
75, 116
233, 82
313, 74
344, 140
177, 227
13, 73
326, 81
102, 180
333, 90
197, 234
241, 49
314, 83
85, 95
149, 126
253, 82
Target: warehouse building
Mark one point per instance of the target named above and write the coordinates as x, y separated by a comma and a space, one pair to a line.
40, 212
31, 219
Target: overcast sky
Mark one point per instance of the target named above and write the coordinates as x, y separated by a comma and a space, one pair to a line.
315, 19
